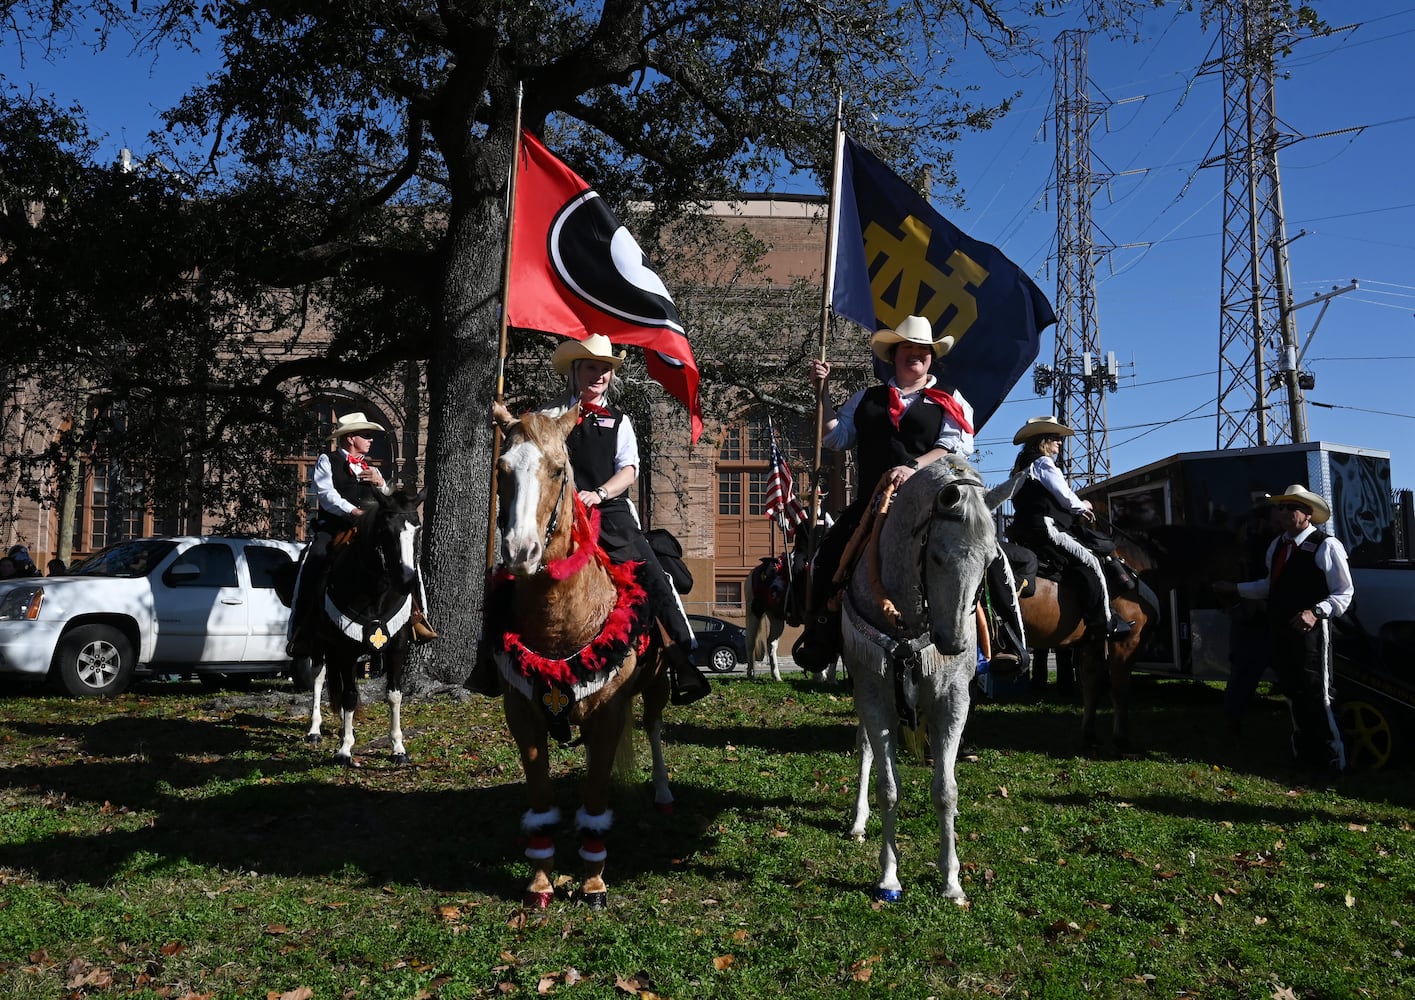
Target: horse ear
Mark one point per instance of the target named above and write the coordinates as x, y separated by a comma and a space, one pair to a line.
502, 416
999, 494
421, 496
567, 421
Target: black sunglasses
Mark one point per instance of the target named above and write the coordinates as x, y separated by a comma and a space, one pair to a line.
1294, 506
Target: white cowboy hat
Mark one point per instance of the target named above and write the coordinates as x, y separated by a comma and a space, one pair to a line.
1037, 426
1297, 493
913, 330
595, 346
352, 423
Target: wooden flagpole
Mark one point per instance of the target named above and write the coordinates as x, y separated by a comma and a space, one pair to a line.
827, 290
505, 312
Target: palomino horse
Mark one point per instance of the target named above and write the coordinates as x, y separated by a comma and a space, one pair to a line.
1054, 617
910, 641
368, 607
575, 649
769, 592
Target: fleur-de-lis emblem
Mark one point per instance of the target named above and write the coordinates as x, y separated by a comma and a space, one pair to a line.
555, 700
379, 639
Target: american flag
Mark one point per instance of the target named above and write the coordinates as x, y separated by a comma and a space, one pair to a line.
781, 502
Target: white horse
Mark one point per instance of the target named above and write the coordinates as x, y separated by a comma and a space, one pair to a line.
910, 624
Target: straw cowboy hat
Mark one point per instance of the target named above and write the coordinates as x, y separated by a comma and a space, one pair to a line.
1297, 493
1037, 426
595, 346
914, 330
352, 423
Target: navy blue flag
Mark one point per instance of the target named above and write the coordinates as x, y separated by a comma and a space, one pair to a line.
896, 257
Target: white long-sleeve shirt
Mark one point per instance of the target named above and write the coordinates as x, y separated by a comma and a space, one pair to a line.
330, 498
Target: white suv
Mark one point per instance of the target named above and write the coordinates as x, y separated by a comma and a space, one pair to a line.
164, 605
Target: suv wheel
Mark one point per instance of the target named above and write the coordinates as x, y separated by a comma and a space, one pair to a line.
94, 661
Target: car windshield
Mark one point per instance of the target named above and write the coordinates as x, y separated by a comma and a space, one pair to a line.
127, 559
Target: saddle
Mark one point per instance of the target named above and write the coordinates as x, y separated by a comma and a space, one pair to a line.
770, 586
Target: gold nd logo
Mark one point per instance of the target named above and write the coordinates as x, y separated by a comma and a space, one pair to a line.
906, 268
555, 700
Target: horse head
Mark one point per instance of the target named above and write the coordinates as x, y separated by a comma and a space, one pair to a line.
535, 488
943, 522
396, 533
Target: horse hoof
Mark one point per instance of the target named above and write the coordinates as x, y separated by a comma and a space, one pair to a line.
401, 760
538, 900
344, 761
312, 738
664, 808
888, 895
595, 900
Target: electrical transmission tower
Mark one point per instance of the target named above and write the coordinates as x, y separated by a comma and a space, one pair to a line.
1078, 377
1257, 332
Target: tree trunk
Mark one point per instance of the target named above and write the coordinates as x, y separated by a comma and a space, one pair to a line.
461, 383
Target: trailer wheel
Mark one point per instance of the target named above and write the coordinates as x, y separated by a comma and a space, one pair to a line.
1367, 732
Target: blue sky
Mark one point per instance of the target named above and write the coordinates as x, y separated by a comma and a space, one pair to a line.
1158, 302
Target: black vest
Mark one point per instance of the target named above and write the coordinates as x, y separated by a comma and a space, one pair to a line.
592, 445
356, 491
1301, 584
879, 447
1032, 503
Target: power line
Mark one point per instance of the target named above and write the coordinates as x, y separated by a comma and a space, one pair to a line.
1379, 413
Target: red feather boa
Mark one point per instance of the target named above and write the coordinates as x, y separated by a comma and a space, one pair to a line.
627, 626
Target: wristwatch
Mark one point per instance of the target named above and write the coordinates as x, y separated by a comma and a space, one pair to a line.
1318, 613
603, 493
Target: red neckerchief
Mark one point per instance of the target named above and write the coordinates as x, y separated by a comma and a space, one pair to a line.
356, 461
594, 408
950, 406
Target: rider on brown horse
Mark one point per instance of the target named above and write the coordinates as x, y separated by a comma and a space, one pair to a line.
1052, 521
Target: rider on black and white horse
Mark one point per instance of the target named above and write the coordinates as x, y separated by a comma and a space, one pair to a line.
343, 481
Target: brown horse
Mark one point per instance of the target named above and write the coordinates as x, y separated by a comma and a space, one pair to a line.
575, 651
1054, 617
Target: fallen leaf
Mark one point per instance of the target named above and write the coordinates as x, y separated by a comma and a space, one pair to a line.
1284, 993
1002, 790
172, 948
298, 993
1350, 900
636, 984
276, 929
862, 970
722, 962
572, 976
1356, 827
546, 984
741, 935
1259, 921
449, 912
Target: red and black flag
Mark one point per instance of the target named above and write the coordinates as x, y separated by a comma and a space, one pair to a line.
576, 271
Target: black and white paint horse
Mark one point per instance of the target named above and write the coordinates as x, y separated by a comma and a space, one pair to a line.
368, 609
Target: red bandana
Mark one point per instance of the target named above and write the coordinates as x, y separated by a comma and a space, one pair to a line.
950, 406
594, 408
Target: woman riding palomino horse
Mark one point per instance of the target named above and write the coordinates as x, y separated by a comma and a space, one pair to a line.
604, 460
575, 650
1047, 510
896, 429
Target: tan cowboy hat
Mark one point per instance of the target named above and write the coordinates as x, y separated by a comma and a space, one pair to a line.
1037, 426
914, 330
352, 423
1297, 493
595, 346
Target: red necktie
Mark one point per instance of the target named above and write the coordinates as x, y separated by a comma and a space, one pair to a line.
944, 399
1280, 558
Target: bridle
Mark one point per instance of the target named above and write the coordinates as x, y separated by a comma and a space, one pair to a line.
554, 522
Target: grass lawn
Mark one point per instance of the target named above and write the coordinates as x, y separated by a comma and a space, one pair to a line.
182, 843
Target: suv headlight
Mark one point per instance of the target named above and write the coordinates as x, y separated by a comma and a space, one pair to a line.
21, 604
